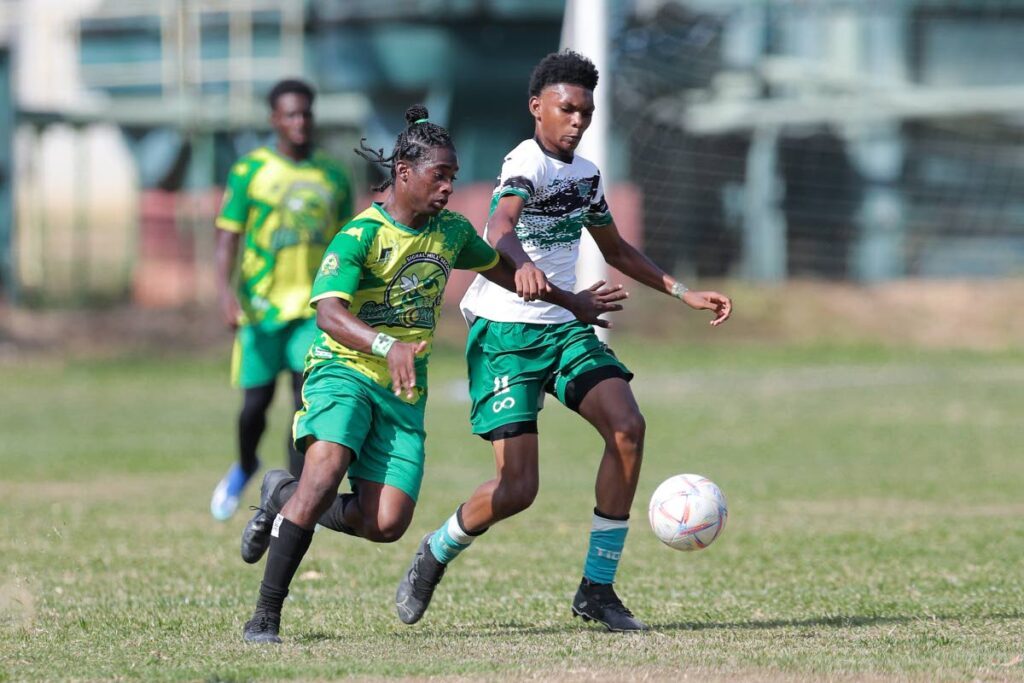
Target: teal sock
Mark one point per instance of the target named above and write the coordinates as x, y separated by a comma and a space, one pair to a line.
607, 538
451, 539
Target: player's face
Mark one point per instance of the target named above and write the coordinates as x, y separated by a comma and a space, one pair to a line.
430, 181
562, 113
292, 118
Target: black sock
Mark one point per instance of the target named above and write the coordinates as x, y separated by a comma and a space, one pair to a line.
252, 420
287, 548
334, 518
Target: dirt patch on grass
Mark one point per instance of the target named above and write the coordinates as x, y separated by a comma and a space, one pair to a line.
17, 604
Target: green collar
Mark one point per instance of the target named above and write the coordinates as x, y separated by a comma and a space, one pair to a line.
380, 207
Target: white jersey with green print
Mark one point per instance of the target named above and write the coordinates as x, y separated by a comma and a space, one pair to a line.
560, 199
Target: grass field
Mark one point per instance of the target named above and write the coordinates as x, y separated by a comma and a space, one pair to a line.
876, 529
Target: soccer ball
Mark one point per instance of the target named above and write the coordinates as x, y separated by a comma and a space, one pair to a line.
687, 512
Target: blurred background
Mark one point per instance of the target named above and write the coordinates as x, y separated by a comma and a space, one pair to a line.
842, 145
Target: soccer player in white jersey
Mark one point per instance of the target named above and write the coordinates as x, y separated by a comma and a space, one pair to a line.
518, 346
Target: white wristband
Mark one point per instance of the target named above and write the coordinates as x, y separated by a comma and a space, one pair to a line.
382, 344
679, 289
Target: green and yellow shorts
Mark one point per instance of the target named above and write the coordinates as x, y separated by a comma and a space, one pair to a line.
259, 355
386, 433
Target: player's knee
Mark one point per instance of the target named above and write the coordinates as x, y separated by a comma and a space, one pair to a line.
386, 529
515, 495
321, 477
628, 432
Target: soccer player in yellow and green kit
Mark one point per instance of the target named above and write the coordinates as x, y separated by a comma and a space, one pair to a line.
283, 205
377, 296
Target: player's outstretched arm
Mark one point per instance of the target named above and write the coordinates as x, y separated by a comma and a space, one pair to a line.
334, 318
225, 255
530, 281
630, 261
586, 305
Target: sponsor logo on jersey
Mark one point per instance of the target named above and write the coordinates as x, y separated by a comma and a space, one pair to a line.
305, 211
385, 254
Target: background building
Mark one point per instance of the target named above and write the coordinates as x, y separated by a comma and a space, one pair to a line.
759, 140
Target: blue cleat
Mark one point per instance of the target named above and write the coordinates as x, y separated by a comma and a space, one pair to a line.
228, 492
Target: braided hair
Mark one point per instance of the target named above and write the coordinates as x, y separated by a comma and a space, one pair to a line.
413, 144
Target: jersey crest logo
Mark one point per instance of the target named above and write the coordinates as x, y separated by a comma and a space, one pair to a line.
413, 296
584, 187
329, 268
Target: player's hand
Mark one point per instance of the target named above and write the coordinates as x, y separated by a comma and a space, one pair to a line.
402, 366
531, 282
597, 299
230, 311
710, 301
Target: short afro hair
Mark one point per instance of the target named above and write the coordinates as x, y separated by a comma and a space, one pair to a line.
290, 85
567, 67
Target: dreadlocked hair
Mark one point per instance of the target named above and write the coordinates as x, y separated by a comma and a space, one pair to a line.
567, 67
413, 144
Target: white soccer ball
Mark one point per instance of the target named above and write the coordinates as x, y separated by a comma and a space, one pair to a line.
688, 512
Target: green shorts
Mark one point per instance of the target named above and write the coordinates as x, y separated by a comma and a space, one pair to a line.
386, 433
511, 365
260, 355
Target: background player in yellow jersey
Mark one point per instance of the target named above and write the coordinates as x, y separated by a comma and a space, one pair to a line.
283, 205
377, 296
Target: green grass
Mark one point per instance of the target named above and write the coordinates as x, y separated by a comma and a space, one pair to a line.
876, 529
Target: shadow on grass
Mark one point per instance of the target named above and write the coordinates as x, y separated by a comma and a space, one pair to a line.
512, 628
839, 621
517, 628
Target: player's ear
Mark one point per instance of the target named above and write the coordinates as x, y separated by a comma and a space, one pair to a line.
534, 106
402, 170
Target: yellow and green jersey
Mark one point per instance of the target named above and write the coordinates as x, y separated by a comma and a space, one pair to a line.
288, 212
393, 277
